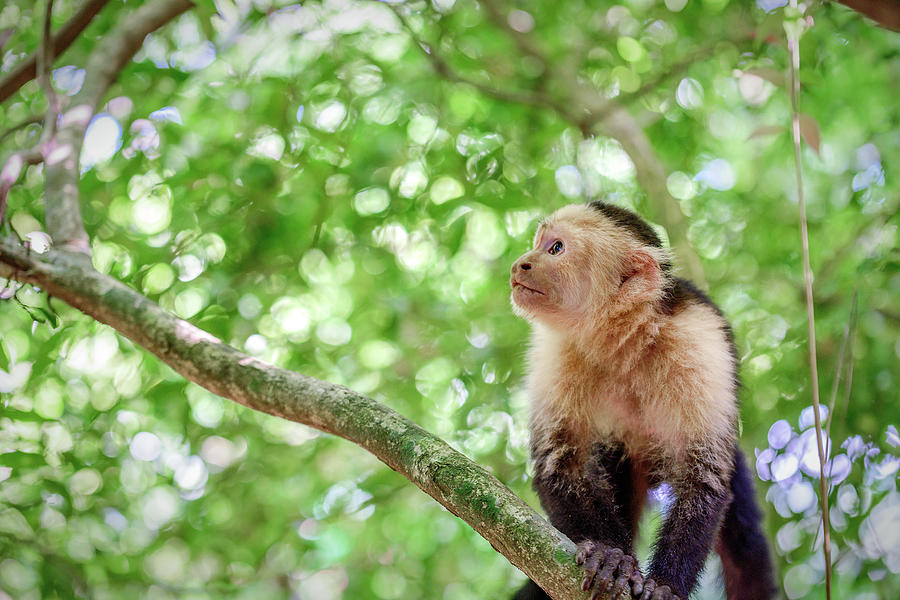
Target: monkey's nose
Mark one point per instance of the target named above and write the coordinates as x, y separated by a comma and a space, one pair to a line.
520, 265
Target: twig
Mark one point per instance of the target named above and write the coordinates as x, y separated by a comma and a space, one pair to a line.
849, 330
793, 36
27, 69
112, 53
44, 66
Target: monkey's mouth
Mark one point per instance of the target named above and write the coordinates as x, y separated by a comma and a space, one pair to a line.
519, 285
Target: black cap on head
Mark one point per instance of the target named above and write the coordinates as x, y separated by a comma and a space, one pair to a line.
628, 220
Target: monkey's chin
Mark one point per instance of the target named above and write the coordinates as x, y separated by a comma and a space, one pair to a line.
526, 303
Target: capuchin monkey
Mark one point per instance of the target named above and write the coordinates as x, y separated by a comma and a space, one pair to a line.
632, 375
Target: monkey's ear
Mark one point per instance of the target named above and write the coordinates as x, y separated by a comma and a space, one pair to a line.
641, 277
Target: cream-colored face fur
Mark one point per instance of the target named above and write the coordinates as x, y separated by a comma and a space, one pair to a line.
578, 265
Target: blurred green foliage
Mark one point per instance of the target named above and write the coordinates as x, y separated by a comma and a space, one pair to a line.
302, 183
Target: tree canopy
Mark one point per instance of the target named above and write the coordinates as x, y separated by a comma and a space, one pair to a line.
337, 188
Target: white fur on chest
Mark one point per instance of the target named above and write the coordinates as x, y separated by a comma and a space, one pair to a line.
681, 389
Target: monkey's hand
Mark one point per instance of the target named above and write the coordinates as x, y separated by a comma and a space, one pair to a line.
608, 568
653, 591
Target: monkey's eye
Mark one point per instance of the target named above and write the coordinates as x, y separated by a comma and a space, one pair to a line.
556, 248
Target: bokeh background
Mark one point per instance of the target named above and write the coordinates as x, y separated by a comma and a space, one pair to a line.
339, 187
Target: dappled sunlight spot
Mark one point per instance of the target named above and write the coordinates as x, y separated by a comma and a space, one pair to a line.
207, 409
169, 563
518, 222
145, 139
221, 453
15, 377
389, 48
520, 21
187, 304
68, 79
93, 354
880, 531
120, 107
329, 116
568, 181
371, 201
39, 241
85, 482
191, 474
293, 318
799, 580
77, 115
189, 267
689, 94
419, 254
334, 331
167, 114
327, 584
410, 179
195, 57
158, 278
484, 235
378, 354
681, 186
383, 109
366, 80
630, 49
318, 268
446, 188
152, 212
267, 145
421, 129
607, 158
753, 88
848, 500
101, 141
789, 537
145, 446
625, 80
249, 306
717, 174
160, 505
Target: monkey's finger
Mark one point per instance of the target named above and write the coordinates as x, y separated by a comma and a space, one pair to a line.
637, 585
591, 565
620, 584
649, 586
585, 549
612, 560
663, 592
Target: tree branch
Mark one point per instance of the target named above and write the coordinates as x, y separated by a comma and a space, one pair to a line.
63, 215
27, 69
884, 12
512, 527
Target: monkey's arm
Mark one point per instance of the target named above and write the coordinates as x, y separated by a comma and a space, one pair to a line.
588, 496
689, 530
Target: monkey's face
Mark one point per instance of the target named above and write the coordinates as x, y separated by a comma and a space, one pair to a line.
580, 264
548, 281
